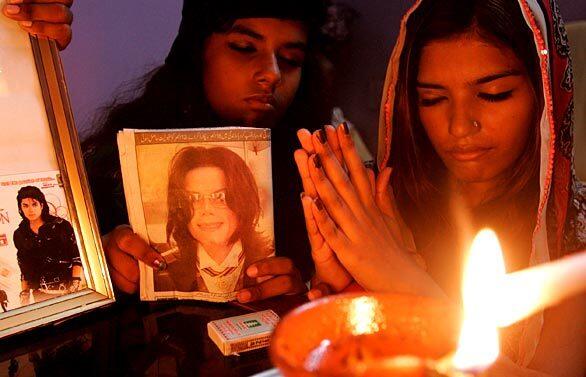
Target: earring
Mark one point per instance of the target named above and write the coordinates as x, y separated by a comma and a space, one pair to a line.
476, 124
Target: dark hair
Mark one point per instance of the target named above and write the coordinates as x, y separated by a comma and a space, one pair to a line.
241, 191
32, 192
172, 95
418, 173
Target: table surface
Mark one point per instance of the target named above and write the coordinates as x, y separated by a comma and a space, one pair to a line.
137, 339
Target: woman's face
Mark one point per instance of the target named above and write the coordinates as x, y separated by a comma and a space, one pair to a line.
251, 72
31, 208
477, 105
213, 222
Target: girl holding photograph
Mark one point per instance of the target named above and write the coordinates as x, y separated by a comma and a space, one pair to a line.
234, 63
476, 131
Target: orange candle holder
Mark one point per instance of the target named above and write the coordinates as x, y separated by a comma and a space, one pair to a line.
366, 335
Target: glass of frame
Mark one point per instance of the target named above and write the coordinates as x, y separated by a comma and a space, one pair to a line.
52, 265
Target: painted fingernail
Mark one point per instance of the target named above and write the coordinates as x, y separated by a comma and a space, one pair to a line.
12, 9
321, 136
26, 23
161, 265
252, 271
314, 294
345, 128
317, 161
319, 204
244, 296
369, 164
302, 195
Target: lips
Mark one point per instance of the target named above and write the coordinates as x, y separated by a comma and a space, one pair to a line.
262, 101
468, 153
209, 227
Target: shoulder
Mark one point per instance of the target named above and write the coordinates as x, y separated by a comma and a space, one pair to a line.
21, 230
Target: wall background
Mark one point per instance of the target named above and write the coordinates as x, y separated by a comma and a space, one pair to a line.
117, 41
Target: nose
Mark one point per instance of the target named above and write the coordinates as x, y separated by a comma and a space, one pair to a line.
206, 204
203, 205
268, 73
461, 122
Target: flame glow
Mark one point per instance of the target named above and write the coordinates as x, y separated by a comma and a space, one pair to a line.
364, 316
478, 346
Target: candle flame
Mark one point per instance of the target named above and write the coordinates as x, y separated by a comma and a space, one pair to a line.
478, 346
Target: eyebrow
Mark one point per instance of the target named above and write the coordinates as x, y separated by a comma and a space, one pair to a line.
496, 76
214, 192
240, 29
482, 80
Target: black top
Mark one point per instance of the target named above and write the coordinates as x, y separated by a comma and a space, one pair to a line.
48, 256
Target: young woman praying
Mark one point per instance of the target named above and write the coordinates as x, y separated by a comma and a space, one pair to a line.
475, 131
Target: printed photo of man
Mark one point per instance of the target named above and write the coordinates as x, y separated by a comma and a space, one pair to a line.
213, 211
47, 251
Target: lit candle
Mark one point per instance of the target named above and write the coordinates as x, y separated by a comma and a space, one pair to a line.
408, 336
478, 346
495, 299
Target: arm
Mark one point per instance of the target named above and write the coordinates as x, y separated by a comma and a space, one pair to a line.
23, 259
25, 295
24, 284
70, 245
44, 18
72, 252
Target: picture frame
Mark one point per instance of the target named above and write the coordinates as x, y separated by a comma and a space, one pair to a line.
40, 151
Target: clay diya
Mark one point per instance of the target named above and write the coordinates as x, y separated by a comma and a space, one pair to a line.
366, 335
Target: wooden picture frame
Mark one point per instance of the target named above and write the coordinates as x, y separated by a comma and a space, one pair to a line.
40, 148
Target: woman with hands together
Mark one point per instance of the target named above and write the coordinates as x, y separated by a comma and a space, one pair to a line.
466, 125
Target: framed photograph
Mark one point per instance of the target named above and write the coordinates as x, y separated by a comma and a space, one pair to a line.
203, 199
51, 261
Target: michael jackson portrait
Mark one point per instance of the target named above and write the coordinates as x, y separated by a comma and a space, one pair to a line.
47, 251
